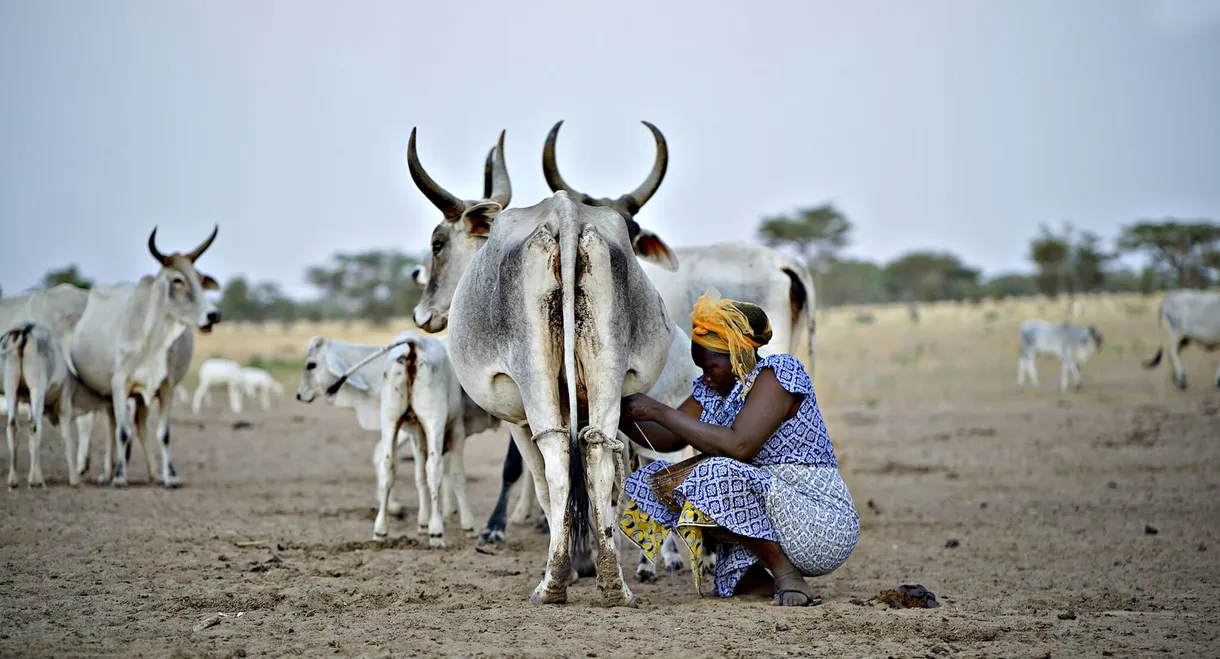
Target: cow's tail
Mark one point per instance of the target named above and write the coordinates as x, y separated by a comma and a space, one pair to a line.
15, 340
334, 388
12, 351
1165, 324
801, 302
578, 494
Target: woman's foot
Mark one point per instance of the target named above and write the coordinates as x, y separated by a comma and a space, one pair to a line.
756, 581
793, 590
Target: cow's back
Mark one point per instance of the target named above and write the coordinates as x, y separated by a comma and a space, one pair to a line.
1194, 313
58, 309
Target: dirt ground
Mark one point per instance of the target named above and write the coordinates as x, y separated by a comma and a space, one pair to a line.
1051, 498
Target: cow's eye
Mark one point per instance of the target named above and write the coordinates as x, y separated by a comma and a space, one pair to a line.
437, 246
310, 366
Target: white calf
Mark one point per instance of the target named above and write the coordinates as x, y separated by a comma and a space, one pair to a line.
36, 373
259, 382
1070, 343
375, 391
214, 372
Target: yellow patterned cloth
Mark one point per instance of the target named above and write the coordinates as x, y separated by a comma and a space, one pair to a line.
649, 535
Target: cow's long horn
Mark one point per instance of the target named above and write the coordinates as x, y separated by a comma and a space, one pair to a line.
501, 189
550, 170
203, 247
487, 167
642, 194
152, 247
448, 204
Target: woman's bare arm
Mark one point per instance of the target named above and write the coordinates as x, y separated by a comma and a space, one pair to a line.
655, 436
766, 407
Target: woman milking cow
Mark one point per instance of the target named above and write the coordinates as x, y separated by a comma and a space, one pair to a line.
766, 486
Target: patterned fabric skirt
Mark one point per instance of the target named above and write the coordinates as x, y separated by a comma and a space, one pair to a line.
805, 509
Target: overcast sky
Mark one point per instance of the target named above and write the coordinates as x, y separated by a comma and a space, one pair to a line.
950, 124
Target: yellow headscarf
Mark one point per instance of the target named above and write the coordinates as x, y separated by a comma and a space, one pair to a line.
722, 325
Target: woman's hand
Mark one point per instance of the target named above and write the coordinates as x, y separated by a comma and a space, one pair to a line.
639, 407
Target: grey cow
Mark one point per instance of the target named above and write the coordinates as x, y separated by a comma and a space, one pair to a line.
1188, 316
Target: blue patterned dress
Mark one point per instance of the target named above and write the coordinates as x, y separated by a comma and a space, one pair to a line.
790, 494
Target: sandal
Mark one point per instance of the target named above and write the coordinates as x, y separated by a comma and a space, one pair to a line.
809, 601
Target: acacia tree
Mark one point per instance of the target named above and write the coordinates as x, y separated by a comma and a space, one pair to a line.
925, 276
817, 233
1050, 253
375, 284
1186, 252
66, 275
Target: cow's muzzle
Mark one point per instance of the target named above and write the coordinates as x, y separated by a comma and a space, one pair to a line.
213, 317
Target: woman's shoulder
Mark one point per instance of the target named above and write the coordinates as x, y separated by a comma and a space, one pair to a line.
789, 371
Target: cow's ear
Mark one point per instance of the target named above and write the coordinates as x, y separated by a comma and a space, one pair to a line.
651, 248
208, 283
478, 217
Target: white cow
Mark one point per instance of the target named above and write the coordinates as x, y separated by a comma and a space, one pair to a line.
1070, 343
567, 291
1188, 315
373, 395
121, 345
214, 372
35, 373
260, 383
778, 283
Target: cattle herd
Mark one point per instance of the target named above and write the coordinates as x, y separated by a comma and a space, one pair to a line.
553, 313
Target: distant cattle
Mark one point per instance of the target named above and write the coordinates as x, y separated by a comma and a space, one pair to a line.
1072, 344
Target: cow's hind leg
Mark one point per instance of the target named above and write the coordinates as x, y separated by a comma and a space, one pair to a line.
1179, 371
435, 440
10, 426
455, 478
395, 508
67, 430
84, 435
385, 461
419, 452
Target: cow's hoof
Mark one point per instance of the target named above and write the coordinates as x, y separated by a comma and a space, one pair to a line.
645, 574
470, 532
495, 536
543, 596
422, 531
437, 540
172, 484
118, 483
674, 564
380, 536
